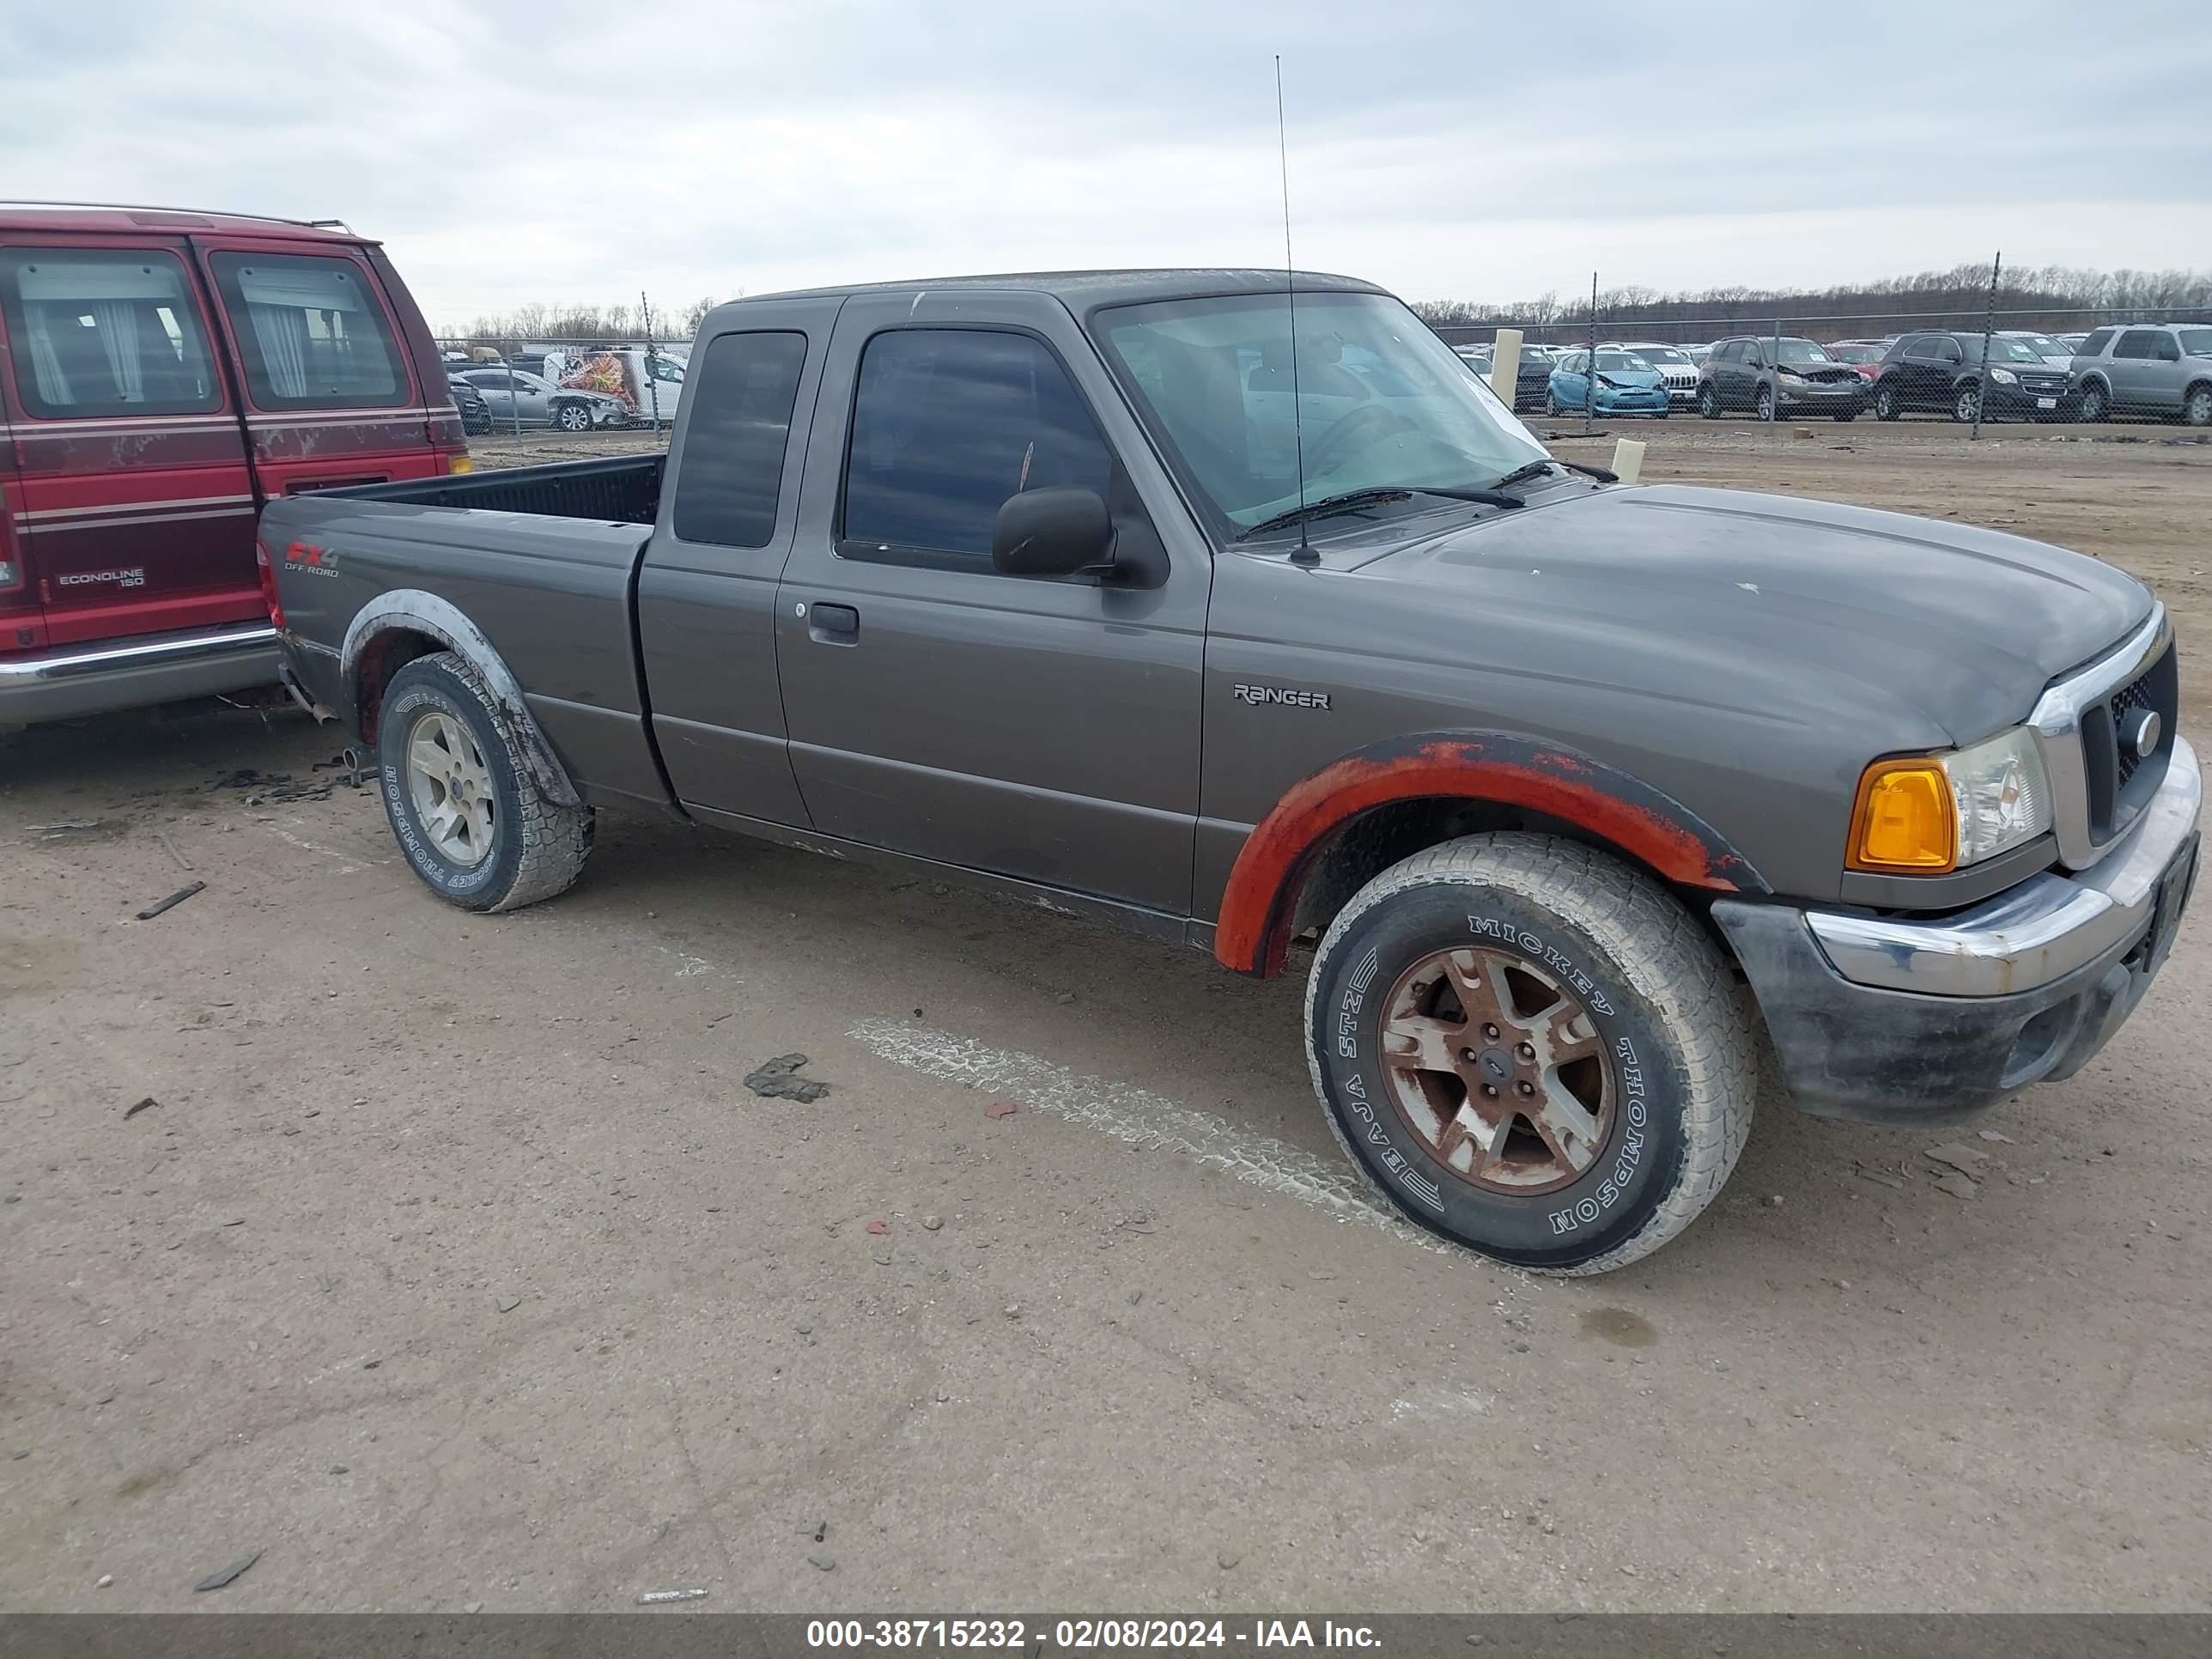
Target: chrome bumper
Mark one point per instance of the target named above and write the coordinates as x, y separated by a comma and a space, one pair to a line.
2040, 931
71, 683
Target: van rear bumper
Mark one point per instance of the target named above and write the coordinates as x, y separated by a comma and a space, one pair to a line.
92, 679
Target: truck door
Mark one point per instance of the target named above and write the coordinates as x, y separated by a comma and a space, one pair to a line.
1042, 728
132, 508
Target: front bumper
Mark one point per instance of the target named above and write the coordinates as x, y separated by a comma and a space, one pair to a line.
1894, 1020
76, 681
1829, 398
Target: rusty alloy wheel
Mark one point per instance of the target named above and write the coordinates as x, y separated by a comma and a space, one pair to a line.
1498, 1069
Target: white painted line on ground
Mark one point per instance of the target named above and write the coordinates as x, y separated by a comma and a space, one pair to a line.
352, 861
1133, 1114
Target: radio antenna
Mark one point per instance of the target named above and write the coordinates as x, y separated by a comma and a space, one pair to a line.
1304, 555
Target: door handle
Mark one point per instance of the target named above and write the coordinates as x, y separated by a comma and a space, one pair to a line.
833, 624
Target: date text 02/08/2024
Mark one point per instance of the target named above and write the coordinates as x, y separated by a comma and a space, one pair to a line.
1085, 1634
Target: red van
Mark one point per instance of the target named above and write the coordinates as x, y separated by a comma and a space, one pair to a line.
162, 374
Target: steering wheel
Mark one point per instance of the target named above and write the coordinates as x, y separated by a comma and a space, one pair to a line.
1343, 431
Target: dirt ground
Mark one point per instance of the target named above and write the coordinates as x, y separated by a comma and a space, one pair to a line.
447, 1263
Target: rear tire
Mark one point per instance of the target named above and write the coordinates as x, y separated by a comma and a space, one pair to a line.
1612, 992
462, 804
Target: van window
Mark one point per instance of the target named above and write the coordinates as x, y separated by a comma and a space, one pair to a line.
731, 475
106, 333
948, 426
310, 331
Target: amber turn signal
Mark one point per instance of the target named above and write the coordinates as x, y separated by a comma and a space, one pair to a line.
1904, 822
460, 463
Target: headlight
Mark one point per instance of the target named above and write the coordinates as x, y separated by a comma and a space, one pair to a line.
1929, 814
1790, 375
2004, 377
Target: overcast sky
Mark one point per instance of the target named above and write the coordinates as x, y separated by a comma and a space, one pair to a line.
509, 151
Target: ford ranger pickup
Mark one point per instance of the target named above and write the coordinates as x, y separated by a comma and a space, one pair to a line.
1232, 607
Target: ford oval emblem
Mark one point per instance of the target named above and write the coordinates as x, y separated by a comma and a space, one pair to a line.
2141, 734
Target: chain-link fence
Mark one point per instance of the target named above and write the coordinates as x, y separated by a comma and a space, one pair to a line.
2007, 357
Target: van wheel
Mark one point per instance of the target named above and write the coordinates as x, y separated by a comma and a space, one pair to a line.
2096, 403
459, 797
572, 417
1532, 1050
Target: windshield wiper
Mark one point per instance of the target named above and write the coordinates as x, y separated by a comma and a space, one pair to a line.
1350, 501
1529, 469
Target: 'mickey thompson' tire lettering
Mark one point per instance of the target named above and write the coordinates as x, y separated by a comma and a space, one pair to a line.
1635, 1114
1490, 928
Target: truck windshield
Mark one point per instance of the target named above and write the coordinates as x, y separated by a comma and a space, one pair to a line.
1383, 402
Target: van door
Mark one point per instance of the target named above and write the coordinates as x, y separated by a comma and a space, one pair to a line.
331, 397
134, 509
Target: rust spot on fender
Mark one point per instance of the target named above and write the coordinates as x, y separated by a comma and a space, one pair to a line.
1252, 933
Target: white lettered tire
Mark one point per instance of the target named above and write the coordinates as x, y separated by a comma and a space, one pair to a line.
467, 816
1533, 1050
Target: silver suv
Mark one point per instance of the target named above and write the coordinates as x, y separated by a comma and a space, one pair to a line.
2149, 368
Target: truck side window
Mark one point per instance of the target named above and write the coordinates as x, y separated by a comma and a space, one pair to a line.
948, 425
731, 476
311, 333
104, 333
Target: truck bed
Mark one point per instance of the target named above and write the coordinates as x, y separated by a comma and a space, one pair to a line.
623, 489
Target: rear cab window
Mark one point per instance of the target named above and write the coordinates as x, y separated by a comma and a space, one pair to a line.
730, 481
312, 331
106, 333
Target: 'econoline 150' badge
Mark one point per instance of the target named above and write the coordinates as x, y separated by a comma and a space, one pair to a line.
1288, 695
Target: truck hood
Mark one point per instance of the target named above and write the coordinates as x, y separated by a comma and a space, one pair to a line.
1889, 613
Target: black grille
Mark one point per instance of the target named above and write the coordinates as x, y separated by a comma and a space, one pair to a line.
2121, 782
2134, 694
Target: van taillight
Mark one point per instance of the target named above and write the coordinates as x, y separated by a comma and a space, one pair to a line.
268, 574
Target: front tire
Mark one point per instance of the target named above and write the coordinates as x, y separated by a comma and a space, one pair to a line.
2096, 405
459, 798
2196, 406
1886, 406
1965, 405
1764, 408
1709, 405
1532, 1050
572, 417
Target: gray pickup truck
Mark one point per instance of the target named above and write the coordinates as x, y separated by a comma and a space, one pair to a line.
1239, 612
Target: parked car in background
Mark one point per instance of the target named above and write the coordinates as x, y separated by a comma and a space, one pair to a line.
1623, 385
2162, 369
1940, 372
1773, 378
1864, 355
476, 414
2059, 357
1697, 353
1675, 366
2071, 342
517, 398
162, 374
647, 382
1475, 357
1532, 377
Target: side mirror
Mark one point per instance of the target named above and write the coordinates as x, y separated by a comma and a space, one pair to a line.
1053, 532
